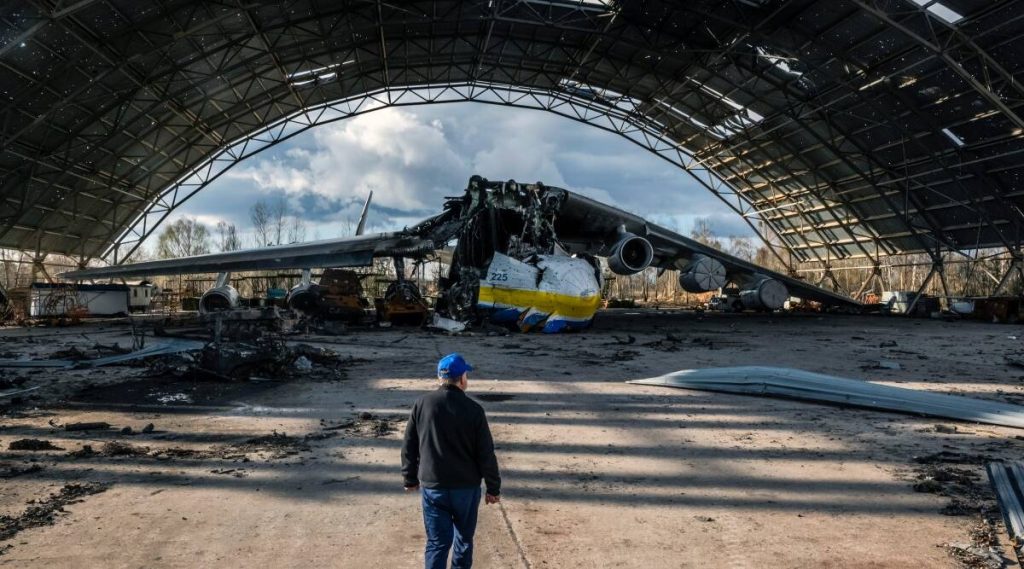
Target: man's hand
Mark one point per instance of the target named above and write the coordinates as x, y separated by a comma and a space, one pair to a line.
412, 488
488, 499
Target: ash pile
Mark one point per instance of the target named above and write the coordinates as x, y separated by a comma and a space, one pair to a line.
265, 358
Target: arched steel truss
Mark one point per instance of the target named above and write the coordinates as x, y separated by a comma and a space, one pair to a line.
849, 128
619, 119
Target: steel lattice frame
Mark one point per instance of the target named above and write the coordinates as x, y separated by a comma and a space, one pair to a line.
850, 128
619, 120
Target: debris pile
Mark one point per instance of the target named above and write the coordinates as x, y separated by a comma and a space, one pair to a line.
960, 485
88, 426
32, 444
279, 445
365, 424
45, 512
8, 470
118, 448
983, 550
266, 357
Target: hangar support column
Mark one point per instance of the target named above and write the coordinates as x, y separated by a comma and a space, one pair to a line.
1016, 266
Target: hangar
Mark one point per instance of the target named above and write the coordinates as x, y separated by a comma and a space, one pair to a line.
849, 134
860, 129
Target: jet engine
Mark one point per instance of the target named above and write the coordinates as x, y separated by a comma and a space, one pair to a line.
219, 298
630, 255
767, 294
702, 274
304, 297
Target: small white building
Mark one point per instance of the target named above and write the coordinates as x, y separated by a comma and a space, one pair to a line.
63, 299
140, 296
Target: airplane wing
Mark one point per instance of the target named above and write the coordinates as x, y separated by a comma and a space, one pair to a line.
588, 226
343, 252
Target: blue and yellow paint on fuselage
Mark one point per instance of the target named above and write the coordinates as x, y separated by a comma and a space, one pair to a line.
564, 298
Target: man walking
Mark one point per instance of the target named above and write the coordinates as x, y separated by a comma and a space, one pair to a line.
448, 449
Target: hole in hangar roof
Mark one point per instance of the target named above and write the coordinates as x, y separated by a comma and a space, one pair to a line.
940, 10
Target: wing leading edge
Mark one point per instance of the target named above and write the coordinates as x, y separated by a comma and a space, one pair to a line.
344, 252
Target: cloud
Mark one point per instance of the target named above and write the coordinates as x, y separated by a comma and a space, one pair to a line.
413, 157
405, 160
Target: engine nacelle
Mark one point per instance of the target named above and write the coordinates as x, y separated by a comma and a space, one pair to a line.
630, 255
702, 274
766, 294
217, 299
304, 297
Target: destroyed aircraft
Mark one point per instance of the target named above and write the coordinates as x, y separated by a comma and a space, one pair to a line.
524, 255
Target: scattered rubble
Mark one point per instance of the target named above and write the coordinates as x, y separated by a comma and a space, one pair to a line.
84, 452
11, 470
239, 360
366, 425
90, 426
232, 471
279, 445
265, 357
983, 550
32, 444
674, 343
303, 364
118, 448
322, 356
11, 383
46, 512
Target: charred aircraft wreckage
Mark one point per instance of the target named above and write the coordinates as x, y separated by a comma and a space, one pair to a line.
523, 255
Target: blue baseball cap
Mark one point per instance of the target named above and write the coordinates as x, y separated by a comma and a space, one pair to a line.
452, 366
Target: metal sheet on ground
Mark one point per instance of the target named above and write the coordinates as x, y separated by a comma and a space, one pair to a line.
1007, 480
170, 346
799, 384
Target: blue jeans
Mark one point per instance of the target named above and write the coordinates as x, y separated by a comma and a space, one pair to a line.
450, 513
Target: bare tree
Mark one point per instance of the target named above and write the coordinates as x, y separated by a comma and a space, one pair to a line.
227, 237
742, 247
296, 229
274, 224
278, 220
183, 238
702, 232
259, 213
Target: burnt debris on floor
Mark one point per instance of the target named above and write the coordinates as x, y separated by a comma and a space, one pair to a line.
46, 511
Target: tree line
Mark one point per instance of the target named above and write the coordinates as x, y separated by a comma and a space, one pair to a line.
273, 223
971, 273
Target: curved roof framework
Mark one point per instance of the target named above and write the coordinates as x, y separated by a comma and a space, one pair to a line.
851, 128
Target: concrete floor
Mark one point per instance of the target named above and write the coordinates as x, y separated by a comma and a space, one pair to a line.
597, 473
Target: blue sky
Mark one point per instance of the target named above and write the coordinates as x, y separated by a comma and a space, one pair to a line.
413, 157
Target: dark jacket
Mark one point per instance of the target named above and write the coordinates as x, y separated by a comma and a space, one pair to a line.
448, 443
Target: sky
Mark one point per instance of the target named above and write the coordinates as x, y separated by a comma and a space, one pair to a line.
413, 157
